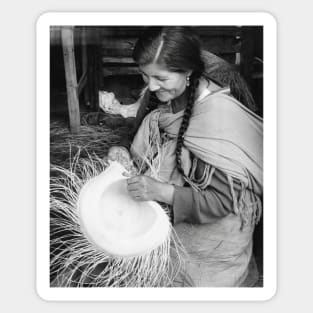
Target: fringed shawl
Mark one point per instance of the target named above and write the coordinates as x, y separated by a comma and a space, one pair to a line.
222, 132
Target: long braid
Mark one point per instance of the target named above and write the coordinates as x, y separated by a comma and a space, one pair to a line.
194, 83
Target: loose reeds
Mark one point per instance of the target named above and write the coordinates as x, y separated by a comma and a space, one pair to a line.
75, 261
96, 136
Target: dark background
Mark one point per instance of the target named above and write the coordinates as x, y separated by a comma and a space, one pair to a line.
110, 66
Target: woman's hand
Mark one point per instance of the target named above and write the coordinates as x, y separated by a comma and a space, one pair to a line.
117, 153
121, 155
145, 188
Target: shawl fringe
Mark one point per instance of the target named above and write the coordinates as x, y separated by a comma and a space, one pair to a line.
249, 212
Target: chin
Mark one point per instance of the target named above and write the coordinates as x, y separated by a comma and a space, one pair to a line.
163, 97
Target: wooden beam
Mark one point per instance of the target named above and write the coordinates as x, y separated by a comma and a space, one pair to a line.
135, 31
67, 34
124, 60
82, 83
119, 70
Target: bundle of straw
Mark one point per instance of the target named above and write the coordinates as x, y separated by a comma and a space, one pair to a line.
96, 136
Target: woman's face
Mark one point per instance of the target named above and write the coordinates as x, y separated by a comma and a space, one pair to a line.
166, 85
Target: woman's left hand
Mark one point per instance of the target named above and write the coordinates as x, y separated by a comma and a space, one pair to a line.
145, 188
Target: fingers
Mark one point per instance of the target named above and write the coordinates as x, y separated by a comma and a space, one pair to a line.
134, 183
112, 156
142, 188
119, 149
136, 188
117, 153
137, 195
135, 180
126, 174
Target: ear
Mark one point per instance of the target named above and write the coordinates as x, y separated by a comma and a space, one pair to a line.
188, 73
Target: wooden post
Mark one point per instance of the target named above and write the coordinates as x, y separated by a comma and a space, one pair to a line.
67, 34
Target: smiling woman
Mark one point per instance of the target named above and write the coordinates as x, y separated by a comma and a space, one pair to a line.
210, 147
197, 151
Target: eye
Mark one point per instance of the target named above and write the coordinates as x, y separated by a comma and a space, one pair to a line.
161, 79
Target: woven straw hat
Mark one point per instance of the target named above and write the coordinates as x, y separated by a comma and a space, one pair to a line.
116, 223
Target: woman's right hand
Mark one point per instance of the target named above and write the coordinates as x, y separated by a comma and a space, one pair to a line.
121, 155
116, 153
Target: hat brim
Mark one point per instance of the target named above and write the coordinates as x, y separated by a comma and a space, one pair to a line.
114, 221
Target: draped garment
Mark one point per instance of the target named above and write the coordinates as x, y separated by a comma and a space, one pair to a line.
227, 136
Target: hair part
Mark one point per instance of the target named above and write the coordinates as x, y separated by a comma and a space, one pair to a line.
177, 48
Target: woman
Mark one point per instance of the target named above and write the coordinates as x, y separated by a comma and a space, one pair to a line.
208, 151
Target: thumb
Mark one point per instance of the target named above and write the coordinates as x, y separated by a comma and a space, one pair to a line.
112, 157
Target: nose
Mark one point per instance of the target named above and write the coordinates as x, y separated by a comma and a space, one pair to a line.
153, 85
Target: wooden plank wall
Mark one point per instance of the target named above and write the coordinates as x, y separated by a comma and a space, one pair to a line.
117, 43
109, 53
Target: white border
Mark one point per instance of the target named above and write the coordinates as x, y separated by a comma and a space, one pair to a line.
42, 154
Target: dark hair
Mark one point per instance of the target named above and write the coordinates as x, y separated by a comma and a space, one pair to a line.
178, 49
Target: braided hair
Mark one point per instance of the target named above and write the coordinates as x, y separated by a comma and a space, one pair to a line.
194, 83
178, 49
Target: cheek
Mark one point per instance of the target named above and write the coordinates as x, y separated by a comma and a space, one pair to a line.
173, 86
178, 87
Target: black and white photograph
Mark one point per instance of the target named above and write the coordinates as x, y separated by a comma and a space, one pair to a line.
153, 157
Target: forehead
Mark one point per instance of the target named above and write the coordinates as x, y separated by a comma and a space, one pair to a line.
154, 69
